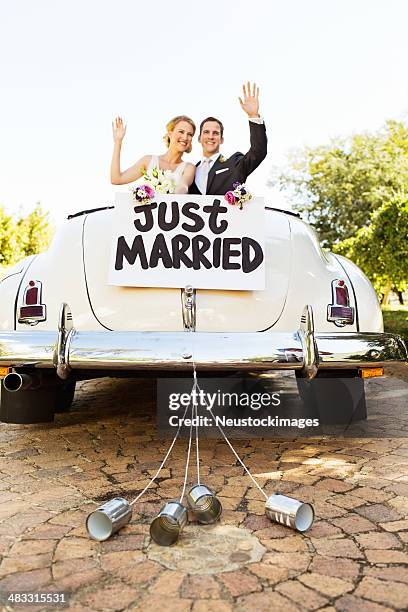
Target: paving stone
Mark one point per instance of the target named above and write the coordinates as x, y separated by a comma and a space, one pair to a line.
209, 549
327, 585
265, 602
153, 603
34, 547
400, 503
354, 524
351, 603
139, 574
205, 605
292, 543
201, 587
379, 513
337, 547
240, 583
110, 597
292, 561
24, 563
301, 595
122, 542
389, 593
341, 568
396, 573
168, 584
270, 573
73, 548
46, 532
61, 569
78, 580
377, 541
395, 525
112, 561
386, 556
323, 529
371, 495
331, 484
26, 581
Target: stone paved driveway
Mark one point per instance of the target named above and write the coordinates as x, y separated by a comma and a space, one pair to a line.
354, 558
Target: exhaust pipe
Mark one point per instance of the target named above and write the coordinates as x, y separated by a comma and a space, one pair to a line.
14, 382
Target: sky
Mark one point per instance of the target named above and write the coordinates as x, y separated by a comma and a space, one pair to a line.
325, 68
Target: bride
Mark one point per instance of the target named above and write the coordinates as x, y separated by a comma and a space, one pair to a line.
178, 139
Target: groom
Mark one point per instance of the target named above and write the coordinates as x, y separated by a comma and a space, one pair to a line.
215, 175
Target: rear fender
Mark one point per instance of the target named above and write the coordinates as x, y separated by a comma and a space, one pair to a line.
369, 310
9, 289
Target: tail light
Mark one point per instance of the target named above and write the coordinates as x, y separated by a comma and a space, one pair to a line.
31, 310
340, 312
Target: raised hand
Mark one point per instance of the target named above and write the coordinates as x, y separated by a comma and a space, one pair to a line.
250, 102
118, 129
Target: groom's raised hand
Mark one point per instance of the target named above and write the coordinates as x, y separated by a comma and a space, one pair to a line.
250, 101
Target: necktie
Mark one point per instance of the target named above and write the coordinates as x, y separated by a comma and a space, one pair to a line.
205, 168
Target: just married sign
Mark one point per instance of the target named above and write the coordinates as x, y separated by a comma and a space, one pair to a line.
179, 240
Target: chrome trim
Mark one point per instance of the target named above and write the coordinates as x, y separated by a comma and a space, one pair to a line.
307, 338
349, 350
131, 350
188, 298
101, 350
65, 331
178, 350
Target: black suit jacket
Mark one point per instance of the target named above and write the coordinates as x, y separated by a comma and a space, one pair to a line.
238, 167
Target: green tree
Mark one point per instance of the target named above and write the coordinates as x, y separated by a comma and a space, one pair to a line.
23, 236
34, 231
381, 248
340, 184
8, 244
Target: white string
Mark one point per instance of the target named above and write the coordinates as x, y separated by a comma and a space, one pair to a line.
196, 439
188, 453
225, 437
163, 462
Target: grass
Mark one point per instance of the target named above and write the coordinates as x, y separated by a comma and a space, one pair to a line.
396, 320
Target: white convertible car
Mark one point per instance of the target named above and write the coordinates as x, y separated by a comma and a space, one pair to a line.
60, 320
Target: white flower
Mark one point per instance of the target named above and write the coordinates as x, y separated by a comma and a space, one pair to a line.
168, 185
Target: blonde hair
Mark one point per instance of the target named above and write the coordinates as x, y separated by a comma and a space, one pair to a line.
172, 124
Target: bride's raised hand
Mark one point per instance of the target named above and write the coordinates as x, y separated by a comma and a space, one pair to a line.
118, 129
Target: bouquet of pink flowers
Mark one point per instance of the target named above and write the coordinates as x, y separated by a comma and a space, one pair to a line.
239, 195
143, 194
157, 182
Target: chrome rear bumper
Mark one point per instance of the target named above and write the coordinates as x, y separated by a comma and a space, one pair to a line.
302, 350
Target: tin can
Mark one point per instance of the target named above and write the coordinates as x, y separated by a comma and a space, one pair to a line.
290, 512
165, 529
204, 503
108, 519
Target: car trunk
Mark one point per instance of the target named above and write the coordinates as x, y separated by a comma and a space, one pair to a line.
160, 309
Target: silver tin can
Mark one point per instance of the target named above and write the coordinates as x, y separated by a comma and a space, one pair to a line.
169, 523
204, 503
290, 512
108, 519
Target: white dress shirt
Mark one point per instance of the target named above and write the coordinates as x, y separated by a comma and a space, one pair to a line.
199, 178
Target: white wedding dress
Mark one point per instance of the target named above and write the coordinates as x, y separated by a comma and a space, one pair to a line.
174, 175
